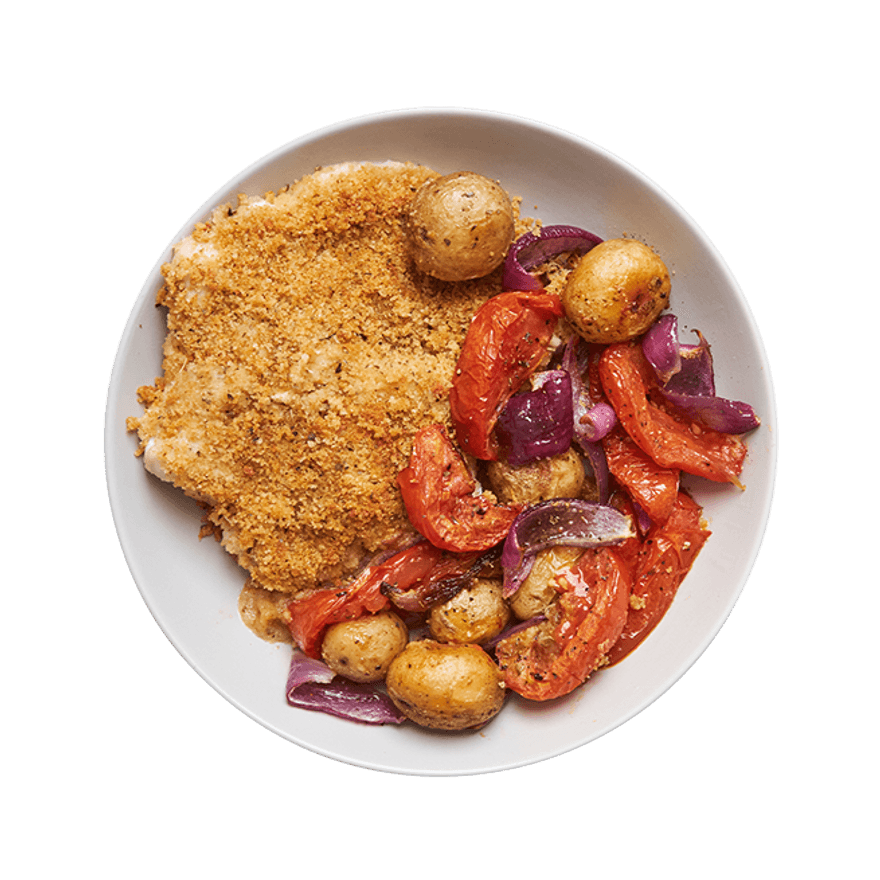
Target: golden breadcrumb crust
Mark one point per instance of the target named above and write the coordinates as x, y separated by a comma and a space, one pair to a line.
304, 350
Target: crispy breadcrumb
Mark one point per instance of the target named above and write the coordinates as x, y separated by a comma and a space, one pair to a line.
303, 352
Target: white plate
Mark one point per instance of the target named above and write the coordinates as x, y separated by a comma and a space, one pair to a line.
192, 587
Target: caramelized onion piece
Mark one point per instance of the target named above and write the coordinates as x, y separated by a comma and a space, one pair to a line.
538, 423
531, 250
311, 684
592, 420
558, 522
687, 380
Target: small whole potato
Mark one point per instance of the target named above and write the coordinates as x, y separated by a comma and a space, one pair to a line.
558, 476
475, 615
540, 588
459, 226
362, 649
447, 687
616, 291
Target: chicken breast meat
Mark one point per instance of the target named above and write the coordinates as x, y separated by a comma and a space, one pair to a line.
304, 349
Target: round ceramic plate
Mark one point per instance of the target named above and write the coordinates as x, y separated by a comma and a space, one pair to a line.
192, 587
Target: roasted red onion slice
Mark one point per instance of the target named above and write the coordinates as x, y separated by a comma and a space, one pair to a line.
305, 670
538, 423
426, 595
687, 380
662, 348
595, 455
592, 421
643, 521
696, 374
530, 250
726, 416
560, 521
311, 684
454, 574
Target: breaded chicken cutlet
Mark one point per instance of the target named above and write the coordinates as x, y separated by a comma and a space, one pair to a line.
304, 349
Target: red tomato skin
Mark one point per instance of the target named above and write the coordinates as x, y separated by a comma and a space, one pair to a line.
505, 343
628, 550
666, 556
438, 493
309, 616
593, 607
670, 441
653, 487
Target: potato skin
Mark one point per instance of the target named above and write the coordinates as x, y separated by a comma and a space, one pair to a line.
459, 226
558, 476
539, 590
446, 687
362, 649
475, 615
616, 291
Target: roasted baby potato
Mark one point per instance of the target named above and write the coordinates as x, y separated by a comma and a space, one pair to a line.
474, 615
362, 649
558, 476
459, 226
538, 591
616, 291
448, 687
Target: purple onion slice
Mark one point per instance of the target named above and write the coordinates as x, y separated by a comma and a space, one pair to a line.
312, 685
538, 423
687, 380
559, 522
592, 421
696, 373
424, 596
726, 416
643, 520
662, 348
531, 250
595, 455
305, 670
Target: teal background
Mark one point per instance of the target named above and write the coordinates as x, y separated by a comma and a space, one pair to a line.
120, 119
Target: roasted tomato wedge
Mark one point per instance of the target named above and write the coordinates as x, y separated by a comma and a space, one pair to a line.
439, 494
653, 487
666, 556
449, 574
416, 567
669, 439
629, 549
505, 343
553, 658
